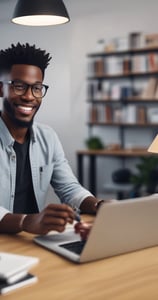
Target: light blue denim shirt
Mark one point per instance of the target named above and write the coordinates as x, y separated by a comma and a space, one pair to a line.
48, 166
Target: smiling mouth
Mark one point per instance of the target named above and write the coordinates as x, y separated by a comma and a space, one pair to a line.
25, 109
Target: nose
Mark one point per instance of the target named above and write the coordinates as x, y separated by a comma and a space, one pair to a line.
28, 96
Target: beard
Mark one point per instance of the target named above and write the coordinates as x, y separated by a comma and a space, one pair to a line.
10, 111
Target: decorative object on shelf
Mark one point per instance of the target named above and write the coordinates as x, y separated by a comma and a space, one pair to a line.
152, 40
94, 143
113, 147
40, 12
147, 175
136, 40
100, 47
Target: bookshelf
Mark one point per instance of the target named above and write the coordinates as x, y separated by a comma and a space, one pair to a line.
122, 94
123, 91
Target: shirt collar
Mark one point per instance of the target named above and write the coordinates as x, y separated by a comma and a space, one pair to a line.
6, 138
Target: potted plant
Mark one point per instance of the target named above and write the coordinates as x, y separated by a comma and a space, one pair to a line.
146, 175
94, 143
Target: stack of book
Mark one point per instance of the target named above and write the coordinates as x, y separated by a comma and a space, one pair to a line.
14, 271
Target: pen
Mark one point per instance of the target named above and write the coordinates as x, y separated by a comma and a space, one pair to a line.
77, 214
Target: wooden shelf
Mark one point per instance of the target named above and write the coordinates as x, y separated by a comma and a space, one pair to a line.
123, 124
125, 52
121, 152
122, 75
134, 100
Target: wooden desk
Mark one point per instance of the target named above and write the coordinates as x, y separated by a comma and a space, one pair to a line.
92, 156
132, 276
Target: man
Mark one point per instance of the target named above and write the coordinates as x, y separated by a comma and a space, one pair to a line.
31, 156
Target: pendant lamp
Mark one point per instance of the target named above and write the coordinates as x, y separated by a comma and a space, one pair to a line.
40, 12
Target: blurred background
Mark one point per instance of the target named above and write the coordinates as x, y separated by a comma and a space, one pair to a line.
64, 108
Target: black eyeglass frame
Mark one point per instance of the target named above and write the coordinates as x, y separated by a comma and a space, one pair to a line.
27, 86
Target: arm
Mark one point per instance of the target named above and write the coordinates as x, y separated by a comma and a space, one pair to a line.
88, 205
11, 223
53, 217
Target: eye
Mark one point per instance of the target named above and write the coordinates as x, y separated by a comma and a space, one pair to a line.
19, 86
37, 87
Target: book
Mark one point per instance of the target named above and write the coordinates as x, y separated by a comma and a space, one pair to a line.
114, 65
127, 64
150, 89
156, 92
152, 61
108, 113
152, 114
27, 280
16, 277
141, 115
99, 67
139, 63
93, 114
11, 265
131, 114
115, 92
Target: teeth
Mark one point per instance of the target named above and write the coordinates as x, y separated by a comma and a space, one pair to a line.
25, 108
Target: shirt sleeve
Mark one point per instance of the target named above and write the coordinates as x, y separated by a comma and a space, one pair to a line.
3, 212
64, 182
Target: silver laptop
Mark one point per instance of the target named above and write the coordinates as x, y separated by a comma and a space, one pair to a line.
119, 227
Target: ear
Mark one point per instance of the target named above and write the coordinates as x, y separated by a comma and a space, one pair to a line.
1, 89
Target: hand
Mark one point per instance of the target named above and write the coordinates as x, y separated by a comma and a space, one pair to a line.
53, 217
83, 229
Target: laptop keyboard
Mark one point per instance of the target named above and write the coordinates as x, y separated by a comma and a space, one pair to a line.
75, 247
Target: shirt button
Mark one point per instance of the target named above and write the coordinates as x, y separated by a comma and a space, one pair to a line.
13, 157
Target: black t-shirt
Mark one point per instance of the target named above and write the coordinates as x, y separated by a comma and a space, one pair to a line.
24, 201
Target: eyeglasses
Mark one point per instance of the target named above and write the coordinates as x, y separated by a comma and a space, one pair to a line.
20, 88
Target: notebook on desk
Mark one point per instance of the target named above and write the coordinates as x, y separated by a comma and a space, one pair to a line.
119, 227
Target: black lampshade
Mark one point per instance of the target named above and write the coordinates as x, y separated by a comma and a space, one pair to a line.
40, 12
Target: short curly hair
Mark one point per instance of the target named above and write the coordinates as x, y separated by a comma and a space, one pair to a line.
23, 54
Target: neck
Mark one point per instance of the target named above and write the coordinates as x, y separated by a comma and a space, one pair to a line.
20, 135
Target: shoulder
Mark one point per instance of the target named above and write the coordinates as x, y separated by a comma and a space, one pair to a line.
44, 132
40, 127
46, 138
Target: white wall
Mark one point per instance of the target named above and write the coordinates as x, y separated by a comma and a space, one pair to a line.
64, 107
